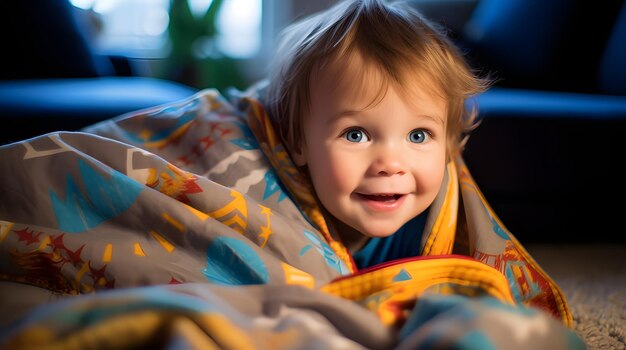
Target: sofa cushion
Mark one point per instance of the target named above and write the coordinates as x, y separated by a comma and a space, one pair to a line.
32, 107
550, 163
553, 44
612, 72
518, 39
522, 103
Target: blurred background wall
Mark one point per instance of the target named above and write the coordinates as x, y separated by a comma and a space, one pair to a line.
201, 43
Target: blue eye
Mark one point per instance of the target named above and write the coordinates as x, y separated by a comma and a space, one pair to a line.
418, 136
356, 135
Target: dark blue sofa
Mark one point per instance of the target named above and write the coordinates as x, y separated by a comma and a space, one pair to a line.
549, 151
50, 78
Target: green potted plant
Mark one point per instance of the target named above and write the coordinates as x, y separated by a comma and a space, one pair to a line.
194, 58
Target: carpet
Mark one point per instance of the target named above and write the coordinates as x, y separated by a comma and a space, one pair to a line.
593, 279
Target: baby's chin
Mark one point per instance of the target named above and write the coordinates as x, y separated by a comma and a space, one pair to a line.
358, 232
379, 231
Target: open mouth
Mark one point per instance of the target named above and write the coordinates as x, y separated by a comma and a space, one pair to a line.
381, 202
392, 197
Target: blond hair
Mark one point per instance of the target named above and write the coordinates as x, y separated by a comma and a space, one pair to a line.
393, 38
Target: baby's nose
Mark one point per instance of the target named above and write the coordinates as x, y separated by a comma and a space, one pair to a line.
391, 169
388, 163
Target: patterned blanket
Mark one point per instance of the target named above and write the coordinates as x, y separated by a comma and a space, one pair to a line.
187, 225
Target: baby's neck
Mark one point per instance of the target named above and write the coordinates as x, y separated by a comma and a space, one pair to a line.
352, 239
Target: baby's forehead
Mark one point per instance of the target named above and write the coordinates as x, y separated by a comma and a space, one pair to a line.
355, 76
342, 93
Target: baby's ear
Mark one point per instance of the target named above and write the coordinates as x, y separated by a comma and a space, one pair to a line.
297, 153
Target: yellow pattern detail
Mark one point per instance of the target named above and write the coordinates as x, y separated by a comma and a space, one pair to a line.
33, 337
81, 272
169, 138
135, 328
297, 277
441, 239
265, 234
202, 216
44, 243
138, 250
236, 223
169, 247
378, 291
5, 228
266, 231
238, 204
108, 253
177, 224
152, 178
145, 134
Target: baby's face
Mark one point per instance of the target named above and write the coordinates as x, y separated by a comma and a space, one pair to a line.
374, 167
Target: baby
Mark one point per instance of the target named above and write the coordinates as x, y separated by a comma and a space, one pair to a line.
369, 98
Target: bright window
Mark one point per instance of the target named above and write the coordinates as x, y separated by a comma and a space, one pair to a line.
138, 28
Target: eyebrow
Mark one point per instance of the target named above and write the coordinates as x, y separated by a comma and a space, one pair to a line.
342, 114
347, 113
439, 120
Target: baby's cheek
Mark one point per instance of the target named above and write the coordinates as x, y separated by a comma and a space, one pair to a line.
430, 175
343, 173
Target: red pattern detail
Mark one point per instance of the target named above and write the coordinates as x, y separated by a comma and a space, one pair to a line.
96, 274
43, 267
400, 309
110, 284
494, 260
74, 257
57, 242
188, 186
176, 183
197, 151
174, 281
207, 142
218, 127
204, 143
183, 161
27, 236
544, 298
